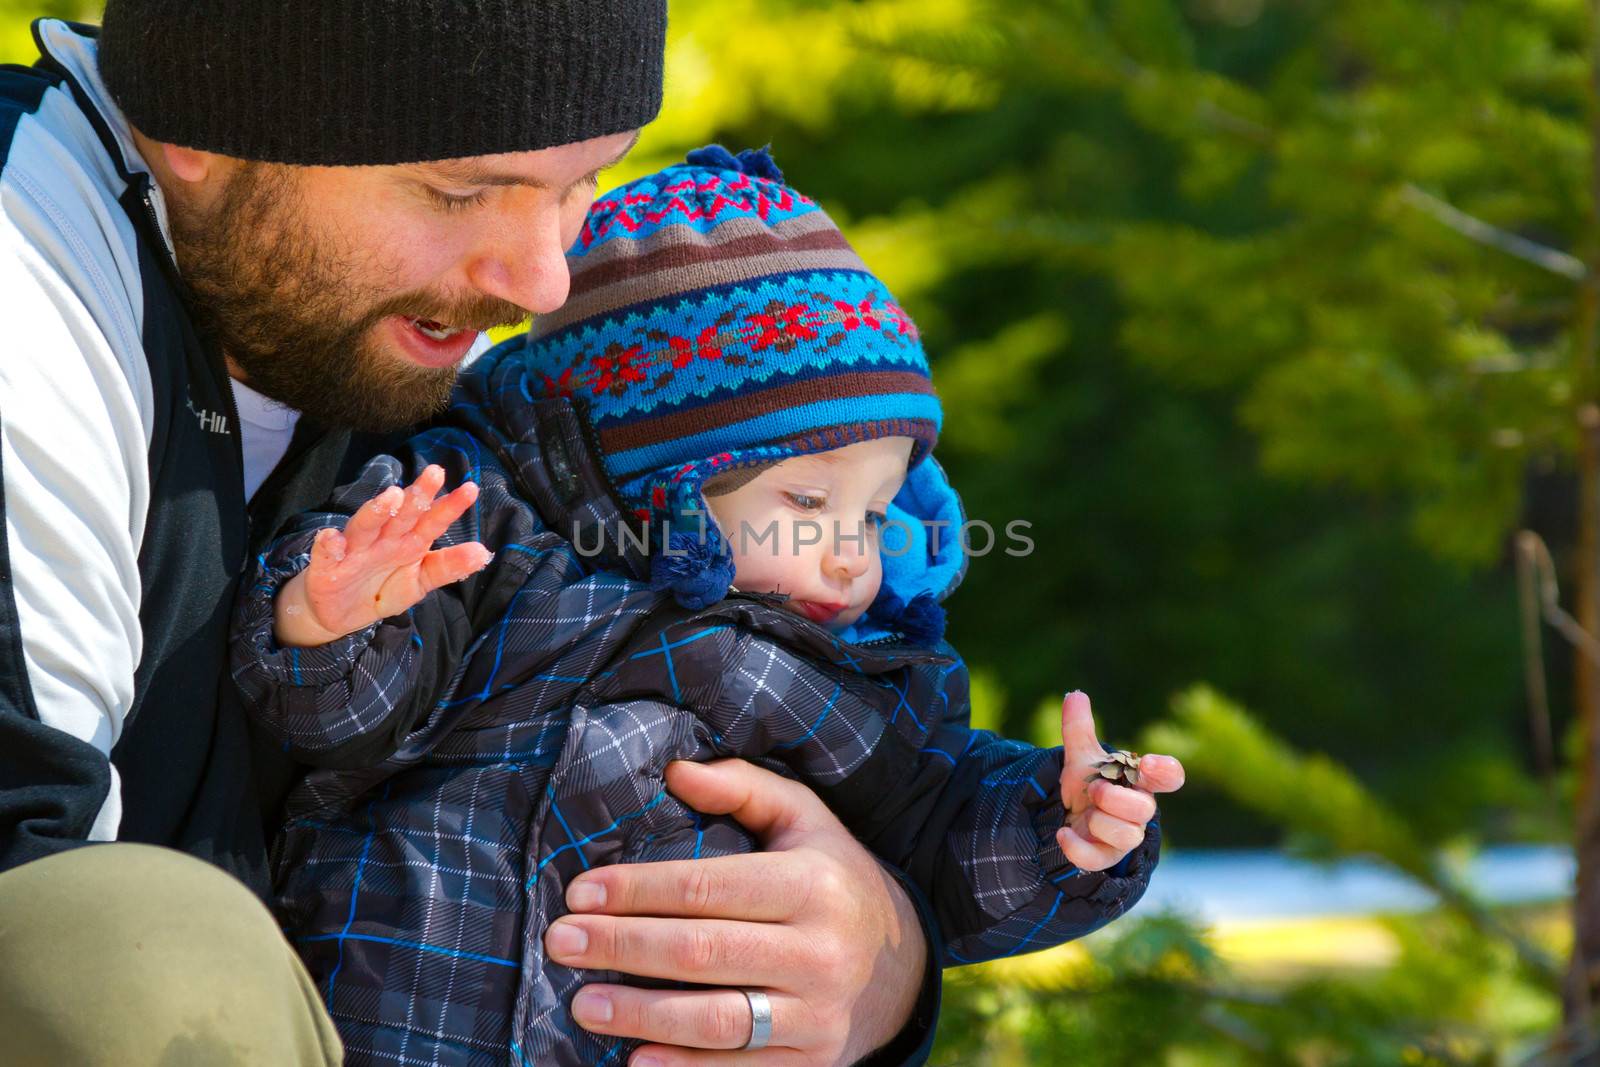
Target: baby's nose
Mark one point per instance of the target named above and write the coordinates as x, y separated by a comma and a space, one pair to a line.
848, 557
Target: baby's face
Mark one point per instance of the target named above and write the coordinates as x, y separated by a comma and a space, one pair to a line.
809, 527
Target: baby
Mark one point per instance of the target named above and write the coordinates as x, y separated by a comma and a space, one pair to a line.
715, 529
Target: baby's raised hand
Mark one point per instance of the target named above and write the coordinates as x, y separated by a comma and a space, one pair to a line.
1105, 821
380, 565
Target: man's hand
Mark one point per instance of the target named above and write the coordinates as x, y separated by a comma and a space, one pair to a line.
1105, 821
814, 922
382, 564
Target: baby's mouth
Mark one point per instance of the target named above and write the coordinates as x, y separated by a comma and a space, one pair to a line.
819, 613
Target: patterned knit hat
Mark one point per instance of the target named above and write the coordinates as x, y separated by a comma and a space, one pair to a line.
718, 319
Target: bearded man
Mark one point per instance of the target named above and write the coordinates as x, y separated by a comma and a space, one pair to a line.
235, 236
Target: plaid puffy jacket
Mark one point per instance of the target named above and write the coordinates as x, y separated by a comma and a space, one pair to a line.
475, 754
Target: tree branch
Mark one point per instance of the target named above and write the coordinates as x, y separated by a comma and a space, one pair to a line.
1550, 597
1473, 228
1469, 226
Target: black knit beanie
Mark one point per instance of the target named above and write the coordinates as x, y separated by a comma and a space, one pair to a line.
349, 82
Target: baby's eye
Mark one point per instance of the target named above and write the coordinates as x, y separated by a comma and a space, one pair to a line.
876, 519
806, 503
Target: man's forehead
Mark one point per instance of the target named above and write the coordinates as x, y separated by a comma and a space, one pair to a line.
533, 169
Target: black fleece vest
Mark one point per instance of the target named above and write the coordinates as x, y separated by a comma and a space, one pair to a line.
192, 776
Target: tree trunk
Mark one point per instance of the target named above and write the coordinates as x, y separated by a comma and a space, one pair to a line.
1583, 976
1580, 996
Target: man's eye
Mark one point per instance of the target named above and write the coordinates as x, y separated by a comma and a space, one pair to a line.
586, 185
452, 202
806, 503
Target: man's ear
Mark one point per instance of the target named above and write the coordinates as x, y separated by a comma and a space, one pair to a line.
192, 164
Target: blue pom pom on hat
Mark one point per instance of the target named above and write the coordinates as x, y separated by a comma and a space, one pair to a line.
756, 161
698, 570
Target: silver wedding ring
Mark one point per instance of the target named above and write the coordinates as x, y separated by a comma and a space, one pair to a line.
760, 1019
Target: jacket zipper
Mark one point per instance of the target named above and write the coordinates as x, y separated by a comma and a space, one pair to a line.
913, 655
155, 222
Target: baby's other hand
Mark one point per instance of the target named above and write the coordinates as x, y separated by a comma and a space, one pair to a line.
380, 565
1105, 821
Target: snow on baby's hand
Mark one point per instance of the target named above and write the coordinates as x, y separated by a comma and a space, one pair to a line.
380, 565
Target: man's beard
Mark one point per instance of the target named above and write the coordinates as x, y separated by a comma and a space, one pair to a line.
289, 313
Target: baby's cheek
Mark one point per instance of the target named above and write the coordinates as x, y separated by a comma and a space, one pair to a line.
872, 580
745, 571
759, 569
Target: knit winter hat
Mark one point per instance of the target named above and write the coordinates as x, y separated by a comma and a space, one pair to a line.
718, 319
340, 83
714, 309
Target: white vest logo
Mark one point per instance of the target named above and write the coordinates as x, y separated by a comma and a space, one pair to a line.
210, 421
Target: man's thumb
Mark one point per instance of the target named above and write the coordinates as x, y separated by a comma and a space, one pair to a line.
768, 805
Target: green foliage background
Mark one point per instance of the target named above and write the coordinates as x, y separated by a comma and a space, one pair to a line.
1187, 360
1193, 316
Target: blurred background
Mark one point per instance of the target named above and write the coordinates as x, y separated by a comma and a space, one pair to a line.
1276, 319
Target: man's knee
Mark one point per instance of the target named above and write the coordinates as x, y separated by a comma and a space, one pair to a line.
130, 954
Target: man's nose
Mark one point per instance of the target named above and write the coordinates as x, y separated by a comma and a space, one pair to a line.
524, 265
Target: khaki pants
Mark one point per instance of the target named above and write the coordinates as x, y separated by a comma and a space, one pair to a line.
132, 955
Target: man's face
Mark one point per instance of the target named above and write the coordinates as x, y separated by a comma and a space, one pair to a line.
352, 293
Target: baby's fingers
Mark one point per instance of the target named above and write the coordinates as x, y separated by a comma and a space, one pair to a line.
1160, 774
416, 503
1110, 830
1134, 805
1077, 729
1087, 855
327, 549
364, 526
447, 565
445, 511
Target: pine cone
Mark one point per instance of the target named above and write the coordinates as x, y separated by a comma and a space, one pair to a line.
1119, 766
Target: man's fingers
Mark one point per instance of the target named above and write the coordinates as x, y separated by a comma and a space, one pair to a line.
1160, 774
758, 887
693, 1021
768, 805
1134, 805
1120, 834
364, 526
773, 1056
707, 951
444, 512
1086, 855
1077, 729
447, 565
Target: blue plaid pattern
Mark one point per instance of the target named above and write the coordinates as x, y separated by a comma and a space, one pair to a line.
416, 875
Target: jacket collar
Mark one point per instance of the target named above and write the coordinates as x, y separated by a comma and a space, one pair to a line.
548, 447
72, 50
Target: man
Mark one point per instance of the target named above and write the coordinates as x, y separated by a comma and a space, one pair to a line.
230, 235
